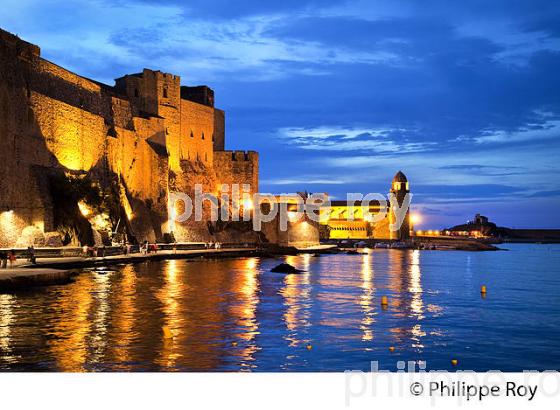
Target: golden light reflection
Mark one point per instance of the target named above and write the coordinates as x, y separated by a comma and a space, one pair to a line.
406, 280
101, 316
415, 286
248, 289
125, 320
247, 286
416, 303
296, 293
170, 295
366, 299
7, 305
306, 259
70, 332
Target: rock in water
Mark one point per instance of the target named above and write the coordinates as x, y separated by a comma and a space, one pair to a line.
285, 268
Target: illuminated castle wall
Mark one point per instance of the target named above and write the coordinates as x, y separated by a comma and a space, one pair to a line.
143, 137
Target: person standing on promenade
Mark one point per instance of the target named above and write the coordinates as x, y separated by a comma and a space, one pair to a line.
3, 260
12, 258
31, 255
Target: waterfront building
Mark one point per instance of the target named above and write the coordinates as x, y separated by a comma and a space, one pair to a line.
351, 220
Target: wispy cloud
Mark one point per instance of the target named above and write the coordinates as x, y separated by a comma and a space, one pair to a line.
379, 140
530, 132
303, 181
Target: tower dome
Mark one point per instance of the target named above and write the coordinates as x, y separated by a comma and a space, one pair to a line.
400, 177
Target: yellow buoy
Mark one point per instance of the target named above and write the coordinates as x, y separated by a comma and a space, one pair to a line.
167, 334
234, 344
384, 301
391, 348
483, 289
454, 362
309, 347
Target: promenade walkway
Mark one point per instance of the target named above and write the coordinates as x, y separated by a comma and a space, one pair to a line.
61, 269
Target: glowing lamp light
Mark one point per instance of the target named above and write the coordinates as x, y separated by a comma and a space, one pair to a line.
415, 219
248, 203
292, 216
84, 209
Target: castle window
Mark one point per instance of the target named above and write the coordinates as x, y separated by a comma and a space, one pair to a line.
192, 135
165, 93
206, 157
202, 135
136, 92
213, 138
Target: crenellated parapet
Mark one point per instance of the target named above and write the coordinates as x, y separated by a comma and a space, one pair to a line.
237, 167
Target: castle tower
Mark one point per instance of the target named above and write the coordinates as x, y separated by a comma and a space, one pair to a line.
399, 188
157, 94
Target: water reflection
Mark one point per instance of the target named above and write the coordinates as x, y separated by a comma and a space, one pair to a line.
416, 304
171, 296
297, 303
102, 283
366, 298
244, 313
7, 304
232, 315
71, 325
406, 284
125, 322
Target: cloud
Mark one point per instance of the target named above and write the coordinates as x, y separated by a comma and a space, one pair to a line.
303, 181
456, 94
530, 132
380, 140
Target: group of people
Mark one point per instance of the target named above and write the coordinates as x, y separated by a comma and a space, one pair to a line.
93, 251
5, 257
147, 247
11, 257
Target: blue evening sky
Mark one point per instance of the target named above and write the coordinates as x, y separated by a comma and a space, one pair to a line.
462, 96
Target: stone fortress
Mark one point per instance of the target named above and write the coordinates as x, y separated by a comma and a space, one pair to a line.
83, 162
80, 159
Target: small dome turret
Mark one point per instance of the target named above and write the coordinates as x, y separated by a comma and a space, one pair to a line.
400, 177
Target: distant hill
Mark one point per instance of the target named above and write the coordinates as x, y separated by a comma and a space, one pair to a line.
482, 225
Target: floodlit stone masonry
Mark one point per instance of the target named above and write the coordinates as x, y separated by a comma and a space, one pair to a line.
137, 141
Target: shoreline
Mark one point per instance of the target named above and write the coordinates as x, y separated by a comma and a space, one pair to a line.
51, 270
56, 270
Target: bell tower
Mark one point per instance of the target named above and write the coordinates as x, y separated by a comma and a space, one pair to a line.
399, 188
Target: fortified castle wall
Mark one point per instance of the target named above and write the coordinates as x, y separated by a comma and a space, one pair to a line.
69, 144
